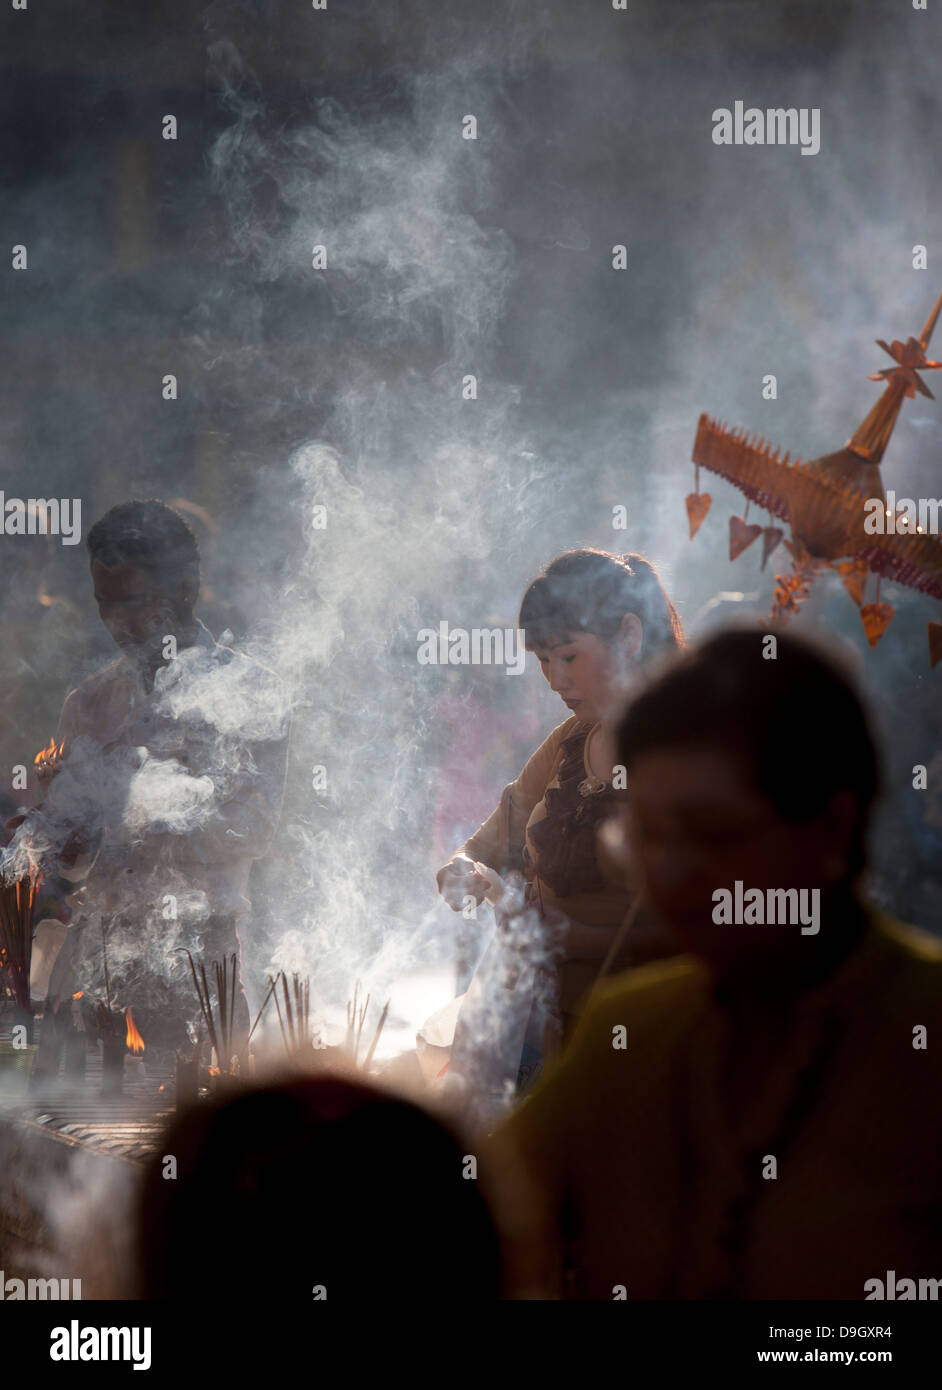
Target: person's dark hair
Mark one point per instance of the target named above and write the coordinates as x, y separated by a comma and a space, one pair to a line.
151, 536
322, 1180
591, 591
795, 721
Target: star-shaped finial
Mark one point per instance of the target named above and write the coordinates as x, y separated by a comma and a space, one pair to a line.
909, 355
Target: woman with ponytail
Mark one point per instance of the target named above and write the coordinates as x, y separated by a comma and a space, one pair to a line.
592, 619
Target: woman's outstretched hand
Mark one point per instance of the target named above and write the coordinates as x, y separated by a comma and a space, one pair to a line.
463, 878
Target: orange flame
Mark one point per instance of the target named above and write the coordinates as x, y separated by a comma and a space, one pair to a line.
29, 885
78, 994
46, 752
134, 1040
50, 753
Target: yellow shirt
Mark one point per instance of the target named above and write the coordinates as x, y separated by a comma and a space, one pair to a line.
652, 1179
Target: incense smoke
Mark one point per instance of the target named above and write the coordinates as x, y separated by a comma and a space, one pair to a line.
342, 388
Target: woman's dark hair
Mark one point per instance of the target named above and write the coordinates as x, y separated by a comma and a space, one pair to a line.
591, 591
794, 720
150, 535
319, 1181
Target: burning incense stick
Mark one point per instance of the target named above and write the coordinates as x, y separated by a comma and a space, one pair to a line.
232, 996
288, 1015
205, 1005
302, 989
271, 990
17, 901
104, 963
274, 989
379, 1028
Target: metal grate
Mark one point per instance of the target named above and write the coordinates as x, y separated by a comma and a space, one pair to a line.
74, 1110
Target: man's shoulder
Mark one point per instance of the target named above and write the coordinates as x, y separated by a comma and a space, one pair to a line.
676, 975
640, 1019
93, 685
663, 994
915, 957
911, 943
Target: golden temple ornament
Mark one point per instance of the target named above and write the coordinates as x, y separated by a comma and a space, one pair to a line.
823, 501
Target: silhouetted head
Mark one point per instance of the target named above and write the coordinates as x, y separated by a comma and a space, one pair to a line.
145, 568
743, 765
593, 618
323, 1182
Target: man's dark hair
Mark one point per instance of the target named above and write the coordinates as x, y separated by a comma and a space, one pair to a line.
795, 721
150, 535
285, 1175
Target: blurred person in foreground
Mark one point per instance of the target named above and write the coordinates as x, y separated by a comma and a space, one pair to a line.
758, 1118
318, 1188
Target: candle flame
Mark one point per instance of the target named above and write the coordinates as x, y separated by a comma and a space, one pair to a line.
134, 1040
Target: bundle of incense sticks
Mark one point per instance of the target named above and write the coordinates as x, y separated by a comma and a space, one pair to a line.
356, 1014
219, 1024
17, 901
356, 1017
296, 1021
